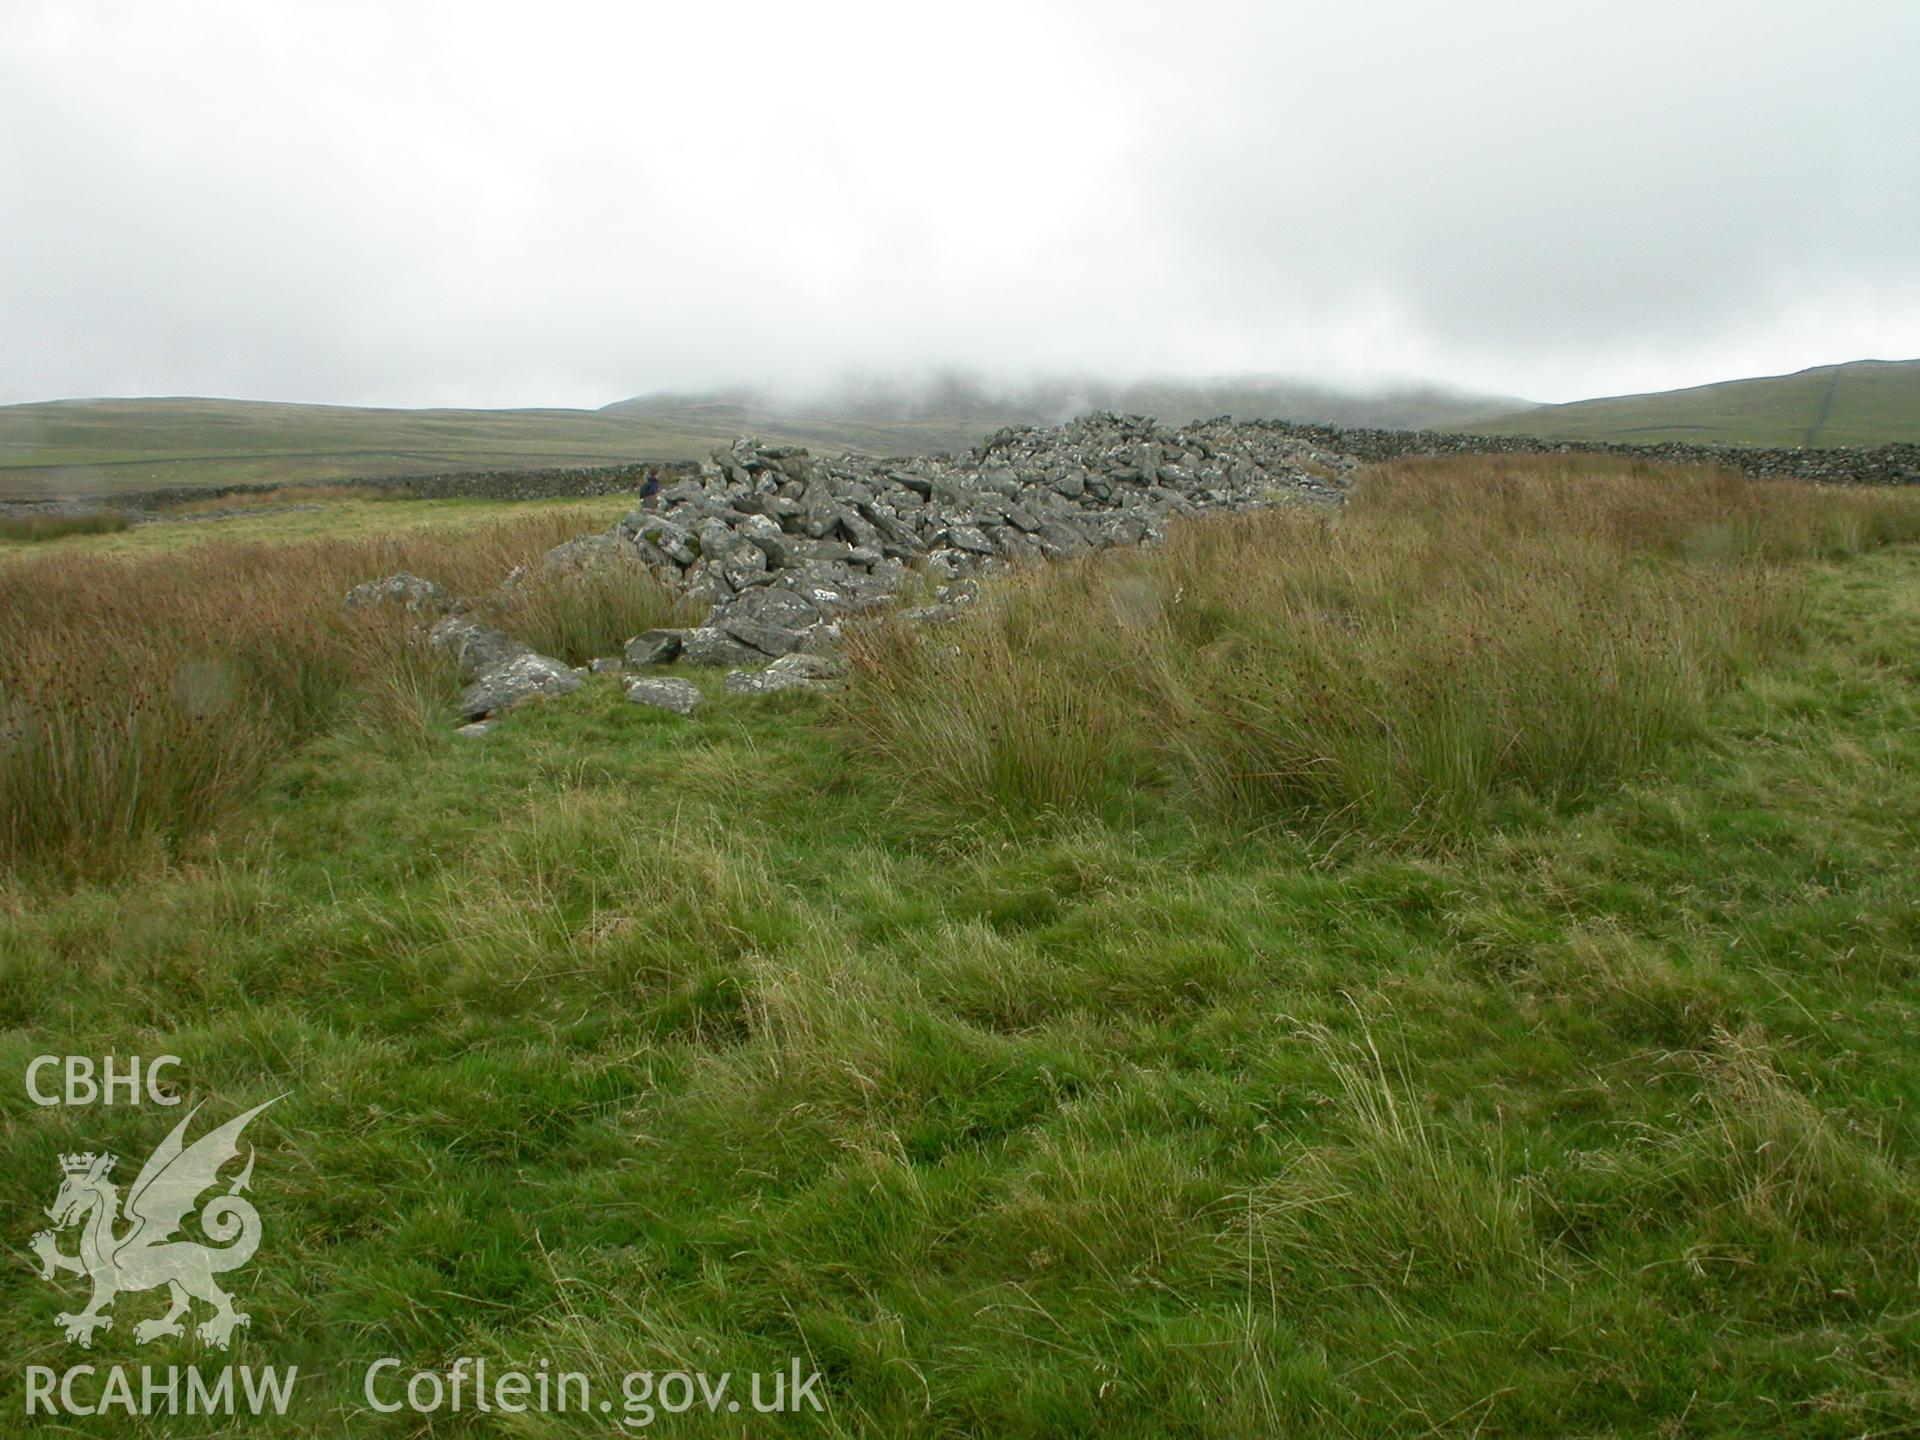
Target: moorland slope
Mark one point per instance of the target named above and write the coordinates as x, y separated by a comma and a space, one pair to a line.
1864, 402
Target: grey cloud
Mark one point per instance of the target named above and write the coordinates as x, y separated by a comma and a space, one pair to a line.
470, 204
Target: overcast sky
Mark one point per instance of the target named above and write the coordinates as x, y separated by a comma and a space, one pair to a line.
566, 204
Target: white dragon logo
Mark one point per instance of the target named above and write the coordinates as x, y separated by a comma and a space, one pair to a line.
147, 1255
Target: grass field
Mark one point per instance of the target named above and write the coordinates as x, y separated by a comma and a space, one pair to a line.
69, 448
323, 513
1067, 1089
103, 447
1868, 402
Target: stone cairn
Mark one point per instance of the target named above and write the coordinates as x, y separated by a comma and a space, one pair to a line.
784, 547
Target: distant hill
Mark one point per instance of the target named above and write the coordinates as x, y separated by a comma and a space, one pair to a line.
1865, 402
955, 412
96, 447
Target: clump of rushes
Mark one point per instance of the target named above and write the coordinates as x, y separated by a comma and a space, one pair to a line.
140, 698
1470, 629
26, 529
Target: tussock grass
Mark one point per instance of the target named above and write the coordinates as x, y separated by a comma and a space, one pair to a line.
579, 614
141, 697
1470, 630
29, 529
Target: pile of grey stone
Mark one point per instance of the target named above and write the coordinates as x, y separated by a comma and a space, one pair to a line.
783, 547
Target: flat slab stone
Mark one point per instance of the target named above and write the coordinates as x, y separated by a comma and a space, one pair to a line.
767, 639
790, 672
682, 697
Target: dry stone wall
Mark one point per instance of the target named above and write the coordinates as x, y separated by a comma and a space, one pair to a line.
1836, 465
532, 484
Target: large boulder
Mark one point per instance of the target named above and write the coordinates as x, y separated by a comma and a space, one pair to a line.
710, 645
515, 681
587, 553
473, 646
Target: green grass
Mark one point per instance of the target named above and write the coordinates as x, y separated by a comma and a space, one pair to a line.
1868, 402
318, 516
639, 1043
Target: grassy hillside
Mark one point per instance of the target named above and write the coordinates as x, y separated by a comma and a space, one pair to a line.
93, 447
97, 447
1867, 402
1116, 1080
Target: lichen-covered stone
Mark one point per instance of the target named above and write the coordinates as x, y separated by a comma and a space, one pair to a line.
664, 692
